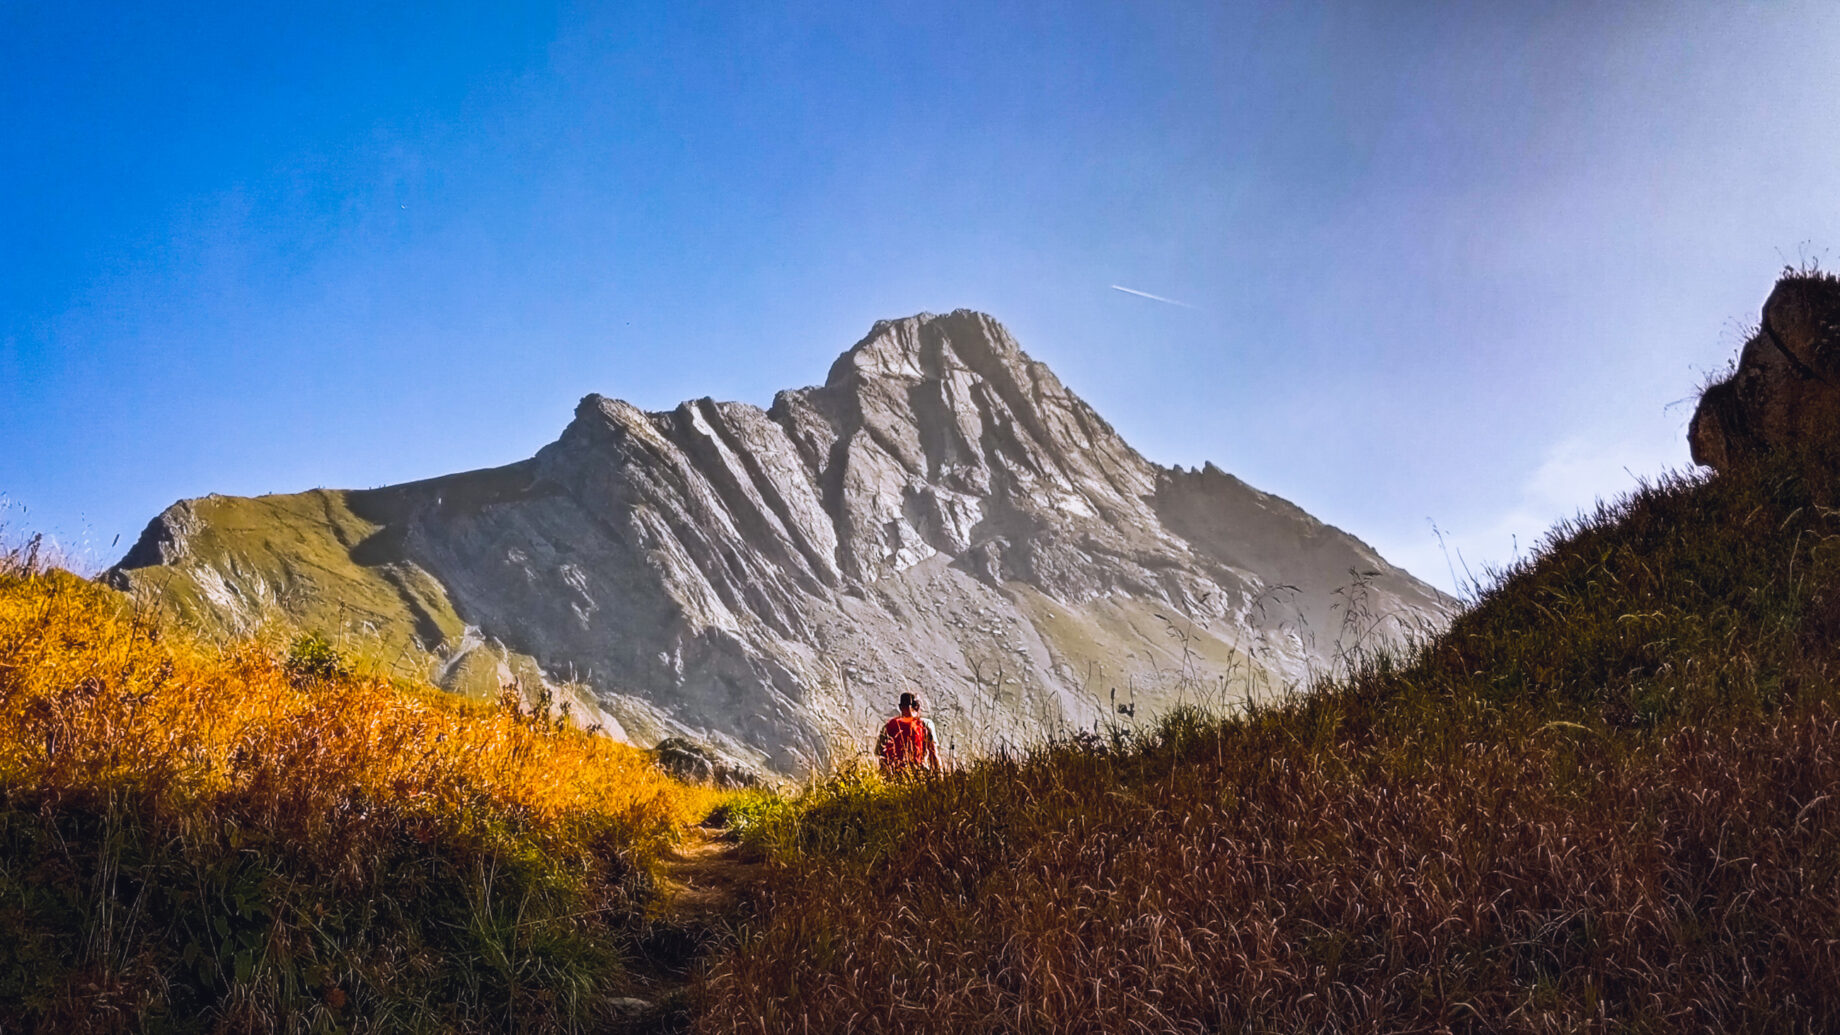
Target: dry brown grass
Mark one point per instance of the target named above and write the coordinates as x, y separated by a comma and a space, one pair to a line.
1607, 799
1690, 887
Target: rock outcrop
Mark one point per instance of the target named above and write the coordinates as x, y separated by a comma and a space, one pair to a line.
941, 514
1785, 391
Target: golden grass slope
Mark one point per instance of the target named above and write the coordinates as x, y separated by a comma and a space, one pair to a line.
199, 838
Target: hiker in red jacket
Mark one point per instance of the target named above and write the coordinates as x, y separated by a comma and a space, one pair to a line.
907, 743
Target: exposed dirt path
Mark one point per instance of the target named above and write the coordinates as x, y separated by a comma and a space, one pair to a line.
706, 887
706, 877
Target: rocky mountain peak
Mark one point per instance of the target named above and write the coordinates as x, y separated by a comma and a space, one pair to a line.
941, 513
928, 346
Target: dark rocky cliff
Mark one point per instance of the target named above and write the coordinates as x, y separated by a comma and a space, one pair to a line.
1784, 391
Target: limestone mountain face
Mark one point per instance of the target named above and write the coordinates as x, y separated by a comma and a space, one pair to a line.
941, 515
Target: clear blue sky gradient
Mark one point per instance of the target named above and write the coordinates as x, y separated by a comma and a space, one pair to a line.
1447, 262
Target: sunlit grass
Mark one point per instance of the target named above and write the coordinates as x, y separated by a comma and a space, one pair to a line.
196, 837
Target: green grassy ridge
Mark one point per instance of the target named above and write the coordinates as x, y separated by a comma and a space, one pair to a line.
331, 561
327, 564
1531, 822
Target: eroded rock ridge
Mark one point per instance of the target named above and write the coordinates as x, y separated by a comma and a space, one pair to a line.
941, 514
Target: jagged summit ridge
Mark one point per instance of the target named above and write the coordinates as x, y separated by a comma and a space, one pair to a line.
940, 513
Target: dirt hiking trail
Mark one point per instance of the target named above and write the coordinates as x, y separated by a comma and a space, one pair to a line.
706, 888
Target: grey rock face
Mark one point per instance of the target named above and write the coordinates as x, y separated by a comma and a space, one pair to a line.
1785, 390
692, 762
941, 515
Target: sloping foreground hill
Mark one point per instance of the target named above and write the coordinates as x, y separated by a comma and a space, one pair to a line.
1608, 798
237, 838
941, 514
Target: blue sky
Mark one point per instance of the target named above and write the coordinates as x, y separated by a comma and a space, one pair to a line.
1451, 263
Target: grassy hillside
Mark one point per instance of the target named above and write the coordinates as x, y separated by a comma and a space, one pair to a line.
247, 839
331, 560
296, 554
1606, 798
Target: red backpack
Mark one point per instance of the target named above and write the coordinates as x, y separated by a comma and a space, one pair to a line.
903, 742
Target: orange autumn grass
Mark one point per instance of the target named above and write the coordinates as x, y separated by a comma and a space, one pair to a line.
215, 837
95, 697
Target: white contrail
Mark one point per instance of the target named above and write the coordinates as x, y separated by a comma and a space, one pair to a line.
1151, 297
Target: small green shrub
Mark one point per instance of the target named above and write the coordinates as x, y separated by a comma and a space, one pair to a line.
313, 658
749, 810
